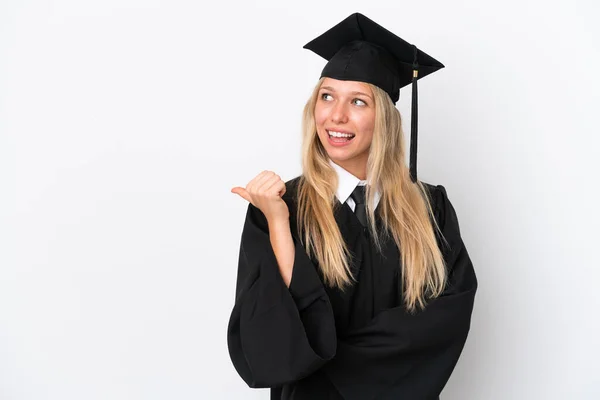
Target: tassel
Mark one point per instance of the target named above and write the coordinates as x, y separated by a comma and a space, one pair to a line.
413, 119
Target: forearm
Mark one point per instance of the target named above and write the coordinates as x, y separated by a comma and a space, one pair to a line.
283, 246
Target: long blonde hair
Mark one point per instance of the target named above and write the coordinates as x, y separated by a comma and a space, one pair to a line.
404, 208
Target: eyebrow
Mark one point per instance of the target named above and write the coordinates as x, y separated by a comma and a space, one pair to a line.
355, 92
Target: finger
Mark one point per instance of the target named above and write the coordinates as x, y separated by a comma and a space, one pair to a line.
250, 187
259, 181
283, 189
242, 192
277, 189
268, 183
272, 187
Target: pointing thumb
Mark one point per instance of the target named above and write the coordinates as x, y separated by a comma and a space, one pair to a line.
241, 192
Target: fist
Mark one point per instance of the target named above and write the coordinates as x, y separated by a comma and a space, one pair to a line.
264, 192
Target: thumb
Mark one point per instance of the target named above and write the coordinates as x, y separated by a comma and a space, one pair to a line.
242, 192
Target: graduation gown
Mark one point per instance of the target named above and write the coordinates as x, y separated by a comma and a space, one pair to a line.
313, 342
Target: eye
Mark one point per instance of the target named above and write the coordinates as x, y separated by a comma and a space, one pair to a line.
325, 94
361, 101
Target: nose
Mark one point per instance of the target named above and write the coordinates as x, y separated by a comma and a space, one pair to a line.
339, 113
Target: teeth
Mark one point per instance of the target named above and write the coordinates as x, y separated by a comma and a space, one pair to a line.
339, 134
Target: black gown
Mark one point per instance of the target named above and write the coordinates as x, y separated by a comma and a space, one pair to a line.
312, 342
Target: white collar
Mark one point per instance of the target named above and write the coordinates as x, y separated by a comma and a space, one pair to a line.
347, 182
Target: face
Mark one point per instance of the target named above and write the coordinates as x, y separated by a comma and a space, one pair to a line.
346, 107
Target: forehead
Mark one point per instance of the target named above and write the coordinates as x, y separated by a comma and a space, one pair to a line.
346, 86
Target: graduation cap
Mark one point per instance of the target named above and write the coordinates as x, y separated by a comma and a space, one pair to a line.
358, 49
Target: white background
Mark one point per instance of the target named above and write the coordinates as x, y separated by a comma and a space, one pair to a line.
124, 125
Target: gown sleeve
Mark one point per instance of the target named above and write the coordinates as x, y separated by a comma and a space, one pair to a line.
277, 334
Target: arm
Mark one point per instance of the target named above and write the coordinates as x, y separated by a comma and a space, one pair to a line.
277, 334
283, 247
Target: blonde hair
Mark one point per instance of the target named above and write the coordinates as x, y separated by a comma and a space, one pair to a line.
404, 208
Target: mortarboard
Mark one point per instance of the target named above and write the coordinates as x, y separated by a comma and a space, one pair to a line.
359, 49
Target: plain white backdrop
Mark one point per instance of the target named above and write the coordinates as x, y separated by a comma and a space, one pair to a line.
124, 125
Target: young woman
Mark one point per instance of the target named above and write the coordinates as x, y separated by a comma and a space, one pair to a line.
353, 280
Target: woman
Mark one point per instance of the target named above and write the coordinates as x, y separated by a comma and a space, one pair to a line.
353, 281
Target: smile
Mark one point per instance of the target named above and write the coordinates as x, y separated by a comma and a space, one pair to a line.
340, 134
338, 139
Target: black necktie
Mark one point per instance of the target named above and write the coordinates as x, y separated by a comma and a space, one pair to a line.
358, 195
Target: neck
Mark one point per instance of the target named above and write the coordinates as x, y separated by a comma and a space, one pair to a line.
358, 168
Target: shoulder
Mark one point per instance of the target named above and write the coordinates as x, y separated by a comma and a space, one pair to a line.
432, 189
291, 189
438, 198
292, 184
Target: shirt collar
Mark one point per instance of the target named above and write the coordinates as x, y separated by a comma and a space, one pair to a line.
347, 182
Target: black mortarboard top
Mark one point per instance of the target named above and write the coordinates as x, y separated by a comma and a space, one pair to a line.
358, 49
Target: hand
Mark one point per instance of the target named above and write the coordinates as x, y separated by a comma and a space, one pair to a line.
264, 192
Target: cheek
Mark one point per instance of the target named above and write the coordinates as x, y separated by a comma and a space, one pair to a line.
320, 117
366, 125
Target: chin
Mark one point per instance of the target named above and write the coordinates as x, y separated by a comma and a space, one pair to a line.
345, 156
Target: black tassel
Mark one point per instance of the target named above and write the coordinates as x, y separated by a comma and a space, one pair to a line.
413, 119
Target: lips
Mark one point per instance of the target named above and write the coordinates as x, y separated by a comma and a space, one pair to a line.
336, 141
338, 131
